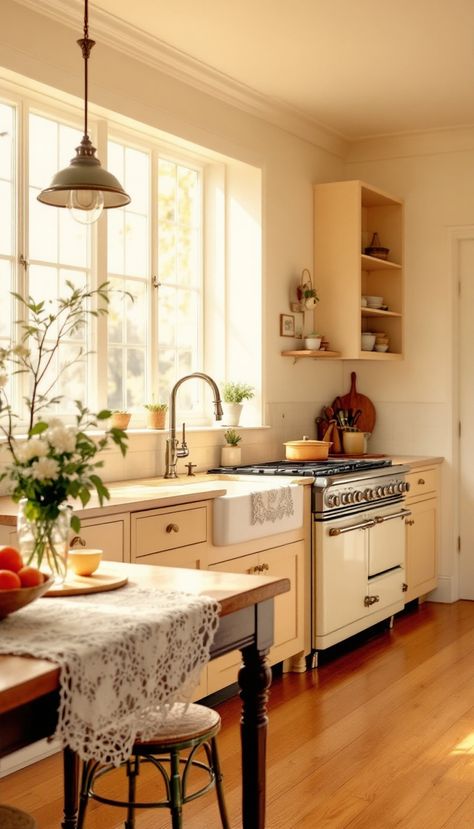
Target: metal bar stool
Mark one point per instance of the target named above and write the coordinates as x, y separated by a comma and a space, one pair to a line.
11, 818
184, 728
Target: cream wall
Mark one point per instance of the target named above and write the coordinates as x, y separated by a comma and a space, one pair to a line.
416, 400
44, 50
434, 174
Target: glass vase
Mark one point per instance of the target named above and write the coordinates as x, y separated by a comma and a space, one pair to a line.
44, 542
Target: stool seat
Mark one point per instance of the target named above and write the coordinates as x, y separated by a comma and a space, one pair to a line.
182, 723
11, 818
185, 728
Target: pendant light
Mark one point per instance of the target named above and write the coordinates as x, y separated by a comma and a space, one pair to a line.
85, 187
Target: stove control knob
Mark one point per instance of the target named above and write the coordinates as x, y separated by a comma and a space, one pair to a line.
359, 496
379, 491
401, 487
386, 490
367, 494
333, 500
345, 498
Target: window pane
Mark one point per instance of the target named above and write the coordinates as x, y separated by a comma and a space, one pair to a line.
43, 230
180, 275
7, 139
59, 252
129, 256
7, 179
5, 300
6, 217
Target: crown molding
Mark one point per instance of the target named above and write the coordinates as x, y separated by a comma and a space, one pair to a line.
139, 45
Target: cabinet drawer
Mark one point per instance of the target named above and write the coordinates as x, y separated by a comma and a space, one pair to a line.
422, 482
168, 530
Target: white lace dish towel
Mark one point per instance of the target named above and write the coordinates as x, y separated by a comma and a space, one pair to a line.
272, 504
126, 656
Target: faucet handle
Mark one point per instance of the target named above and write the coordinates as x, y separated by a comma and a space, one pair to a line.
190, 466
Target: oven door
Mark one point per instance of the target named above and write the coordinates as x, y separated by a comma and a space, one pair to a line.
387, 540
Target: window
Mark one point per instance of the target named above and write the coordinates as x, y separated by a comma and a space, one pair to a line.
182, 260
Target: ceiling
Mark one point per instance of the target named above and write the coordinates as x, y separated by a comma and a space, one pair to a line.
357, 67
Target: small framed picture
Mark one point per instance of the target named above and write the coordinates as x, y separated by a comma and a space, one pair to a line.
299, 325
287, 325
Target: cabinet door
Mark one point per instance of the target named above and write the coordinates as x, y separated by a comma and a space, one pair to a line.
422, 543
110, 534
223, 671
287, 562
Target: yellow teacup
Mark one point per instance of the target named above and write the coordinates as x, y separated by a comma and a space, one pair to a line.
84, 562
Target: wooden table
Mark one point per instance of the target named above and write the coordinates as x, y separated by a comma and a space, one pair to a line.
29, 688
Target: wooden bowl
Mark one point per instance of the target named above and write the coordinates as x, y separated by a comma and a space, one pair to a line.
12, 600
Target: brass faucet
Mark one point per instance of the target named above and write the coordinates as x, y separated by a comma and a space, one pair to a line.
174, 449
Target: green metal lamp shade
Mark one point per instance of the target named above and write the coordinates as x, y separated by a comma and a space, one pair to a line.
85, 172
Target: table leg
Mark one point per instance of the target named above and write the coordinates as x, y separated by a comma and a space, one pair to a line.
71, 787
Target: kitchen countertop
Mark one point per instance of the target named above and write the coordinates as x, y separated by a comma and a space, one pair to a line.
150, 493
416, 461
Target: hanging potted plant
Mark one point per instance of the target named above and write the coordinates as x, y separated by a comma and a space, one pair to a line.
231, 453
232, 395
156, 415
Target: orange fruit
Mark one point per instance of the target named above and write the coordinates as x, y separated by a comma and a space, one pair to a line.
10, 559
9, 580
30, 576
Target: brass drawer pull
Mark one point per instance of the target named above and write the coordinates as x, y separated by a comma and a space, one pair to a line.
77, 541
421, 481
404, 587
368, 600
253, 570
264, 567
409, 521
172, 528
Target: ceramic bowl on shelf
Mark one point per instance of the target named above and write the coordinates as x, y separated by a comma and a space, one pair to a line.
312, 343
367, 341
375, 301
381, 347
18, 597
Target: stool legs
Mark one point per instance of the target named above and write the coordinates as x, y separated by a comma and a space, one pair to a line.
176, 794
219, 788
133, 769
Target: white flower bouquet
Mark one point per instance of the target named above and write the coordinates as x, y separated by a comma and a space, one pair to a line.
54, 462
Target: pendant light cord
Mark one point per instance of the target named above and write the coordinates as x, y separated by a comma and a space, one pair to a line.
86, 45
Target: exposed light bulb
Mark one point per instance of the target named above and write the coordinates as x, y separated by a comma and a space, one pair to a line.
85, 206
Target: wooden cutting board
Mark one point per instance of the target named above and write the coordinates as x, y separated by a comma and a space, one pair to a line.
353, 400
99, 582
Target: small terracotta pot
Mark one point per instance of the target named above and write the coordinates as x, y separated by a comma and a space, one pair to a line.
156, 420
231, 456
120, 420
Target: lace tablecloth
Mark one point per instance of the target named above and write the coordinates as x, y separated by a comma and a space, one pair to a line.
126, 656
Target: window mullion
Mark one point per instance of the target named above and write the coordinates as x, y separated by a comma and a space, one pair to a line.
99, 271
154, 282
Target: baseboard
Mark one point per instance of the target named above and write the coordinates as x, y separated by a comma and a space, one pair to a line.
27, 756
446, 592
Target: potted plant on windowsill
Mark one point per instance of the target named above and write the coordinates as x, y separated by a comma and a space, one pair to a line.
231, 453
120, 419
156, 415
232, 395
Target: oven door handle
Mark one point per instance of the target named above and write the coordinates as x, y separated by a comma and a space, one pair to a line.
403, 513
362, 525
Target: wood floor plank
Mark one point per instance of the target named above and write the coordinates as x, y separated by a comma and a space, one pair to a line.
380, 736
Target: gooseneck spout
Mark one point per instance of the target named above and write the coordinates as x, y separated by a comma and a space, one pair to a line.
173, 449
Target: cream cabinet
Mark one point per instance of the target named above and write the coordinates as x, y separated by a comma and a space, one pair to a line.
422, 532
108, 533
287, 561
346, 214
171, 536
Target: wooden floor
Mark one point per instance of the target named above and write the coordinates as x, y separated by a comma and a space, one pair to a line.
378, 737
